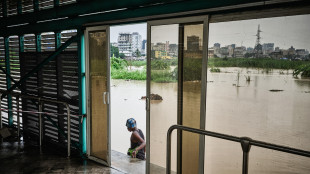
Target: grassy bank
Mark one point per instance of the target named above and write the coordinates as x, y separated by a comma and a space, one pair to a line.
263, 63
128, 75
192, 67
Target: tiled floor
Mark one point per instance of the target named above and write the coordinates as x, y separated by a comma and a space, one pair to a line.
20, 158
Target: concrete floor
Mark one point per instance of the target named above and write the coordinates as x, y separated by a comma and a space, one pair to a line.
18, 157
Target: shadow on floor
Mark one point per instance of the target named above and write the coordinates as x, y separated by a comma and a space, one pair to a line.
18, 157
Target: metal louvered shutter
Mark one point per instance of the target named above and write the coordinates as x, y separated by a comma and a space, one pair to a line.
45, 4
27, 6
4, 101
58, 80
15, 73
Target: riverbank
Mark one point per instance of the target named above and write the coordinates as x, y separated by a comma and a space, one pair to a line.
162, 71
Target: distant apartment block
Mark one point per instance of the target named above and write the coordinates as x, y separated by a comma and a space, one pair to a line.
268, 48
128, 43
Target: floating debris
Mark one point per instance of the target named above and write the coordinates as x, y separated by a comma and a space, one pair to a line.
153, 97
307, 91
276, 90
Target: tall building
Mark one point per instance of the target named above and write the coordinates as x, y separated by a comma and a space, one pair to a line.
216, 48
231, 49
268, 48
128, 43
144, 46
136, 42
124, 44
240, 52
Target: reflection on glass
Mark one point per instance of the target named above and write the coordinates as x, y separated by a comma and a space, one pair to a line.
192, 61
258, 86
98, 81
163, 109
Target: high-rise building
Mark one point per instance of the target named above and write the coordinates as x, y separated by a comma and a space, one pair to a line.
144, 46
124, 44
240, 52
216, 48
268, 48
136, 42
128, 43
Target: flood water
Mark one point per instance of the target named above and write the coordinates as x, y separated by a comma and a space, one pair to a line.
271, 107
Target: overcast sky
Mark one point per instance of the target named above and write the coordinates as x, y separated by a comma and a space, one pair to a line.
284, 32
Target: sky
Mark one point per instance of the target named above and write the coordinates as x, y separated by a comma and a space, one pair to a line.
284, 32
140, 28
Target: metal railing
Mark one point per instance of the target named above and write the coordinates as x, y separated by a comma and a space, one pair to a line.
40, 100
245, 144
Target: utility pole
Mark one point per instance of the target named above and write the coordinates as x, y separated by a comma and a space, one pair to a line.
258, 47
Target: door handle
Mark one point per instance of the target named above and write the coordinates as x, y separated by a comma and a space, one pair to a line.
104, 94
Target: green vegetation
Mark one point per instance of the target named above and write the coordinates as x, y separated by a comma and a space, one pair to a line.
128, 75
163, 76
192, 67
137, 63
304, 70
119, 64
160, 65
215, 69
265, 63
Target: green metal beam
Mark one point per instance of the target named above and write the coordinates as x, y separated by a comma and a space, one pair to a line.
8, 80
19, 7
4, 8
21, 43
77, 22
36, 5
57, 40
56, 3
38, 42
44, 62
82, 93
83, 7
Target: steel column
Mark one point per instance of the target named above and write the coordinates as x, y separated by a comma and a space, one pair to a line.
38, 42
82, 93
36, 5
246, 146
57, 40
21, 44
19, 7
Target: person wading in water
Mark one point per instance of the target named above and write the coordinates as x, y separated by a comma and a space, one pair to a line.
137, 142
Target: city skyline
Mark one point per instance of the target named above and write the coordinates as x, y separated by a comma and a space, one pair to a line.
284, 32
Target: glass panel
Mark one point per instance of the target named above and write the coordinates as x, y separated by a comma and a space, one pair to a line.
264, 161
98, 81
192, 61
163, 89
254, 92
223, 157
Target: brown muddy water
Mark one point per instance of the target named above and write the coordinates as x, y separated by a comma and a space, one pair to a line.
272, 107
